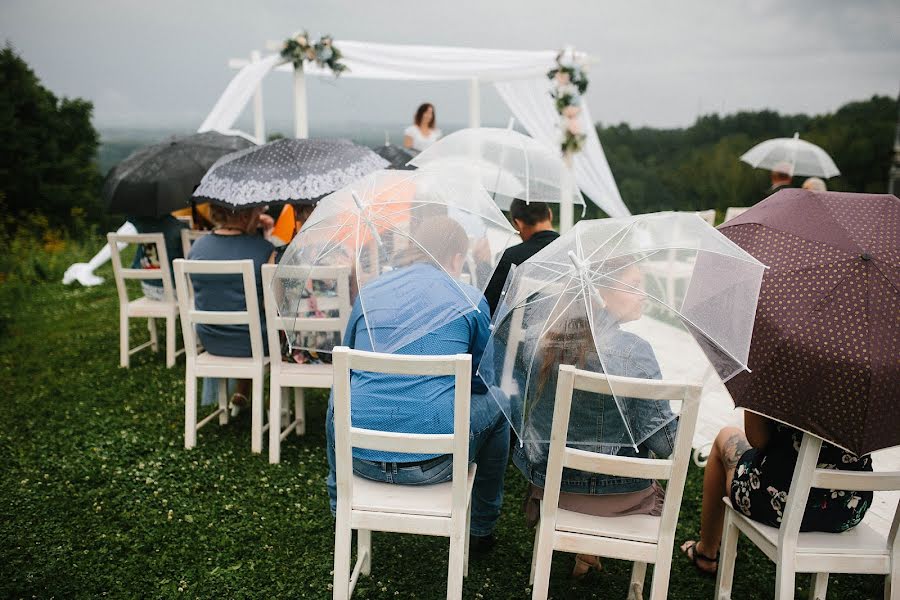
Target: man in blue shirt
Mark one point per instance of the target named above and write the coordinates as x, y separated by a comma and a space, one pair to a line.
421, 310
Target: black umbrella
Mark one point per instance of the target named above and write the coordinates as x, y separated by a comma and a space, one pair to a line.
396, 155
158, 179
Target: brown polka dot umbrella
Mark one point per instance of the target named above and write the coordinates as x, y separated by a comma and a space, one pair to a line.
825, 353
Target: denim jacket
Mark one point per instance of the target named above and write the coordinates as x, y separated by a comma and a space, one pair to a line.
598, 425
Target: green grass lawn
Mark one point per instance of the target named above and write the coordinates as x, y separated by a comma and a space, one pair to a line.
99, 498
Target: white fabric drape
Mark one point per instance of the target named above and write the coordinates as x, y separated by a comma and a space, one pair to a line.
529, 100
235, 97
520, 78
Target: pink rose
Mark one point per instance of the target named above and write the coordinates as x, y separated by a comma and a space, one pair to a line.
562, 78
310, 54
573, 126
571, 112
301, 39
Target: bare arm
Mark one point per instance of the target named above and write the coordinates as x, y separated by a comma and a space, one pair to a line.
407, 141
271, 260
758, 429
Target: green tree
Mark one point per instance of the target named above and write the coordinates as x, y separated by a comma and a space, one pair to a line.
48, 157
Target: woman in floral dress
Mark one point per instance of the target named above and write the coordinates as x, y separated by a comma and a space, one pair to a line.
754, 467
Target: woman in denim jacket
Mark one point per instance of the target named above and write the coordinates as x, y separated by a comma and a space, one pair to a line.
596, 422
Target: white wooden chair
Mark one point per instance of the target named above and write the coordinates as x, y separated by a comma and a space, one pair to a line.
639, 538
188, 237
734, 211
708, 215
144, 307
441, 509
862, 549
291, 375
205, 364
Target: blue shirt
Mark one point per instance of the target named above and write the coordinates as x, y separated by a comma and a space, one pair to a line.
406, 302
226, 292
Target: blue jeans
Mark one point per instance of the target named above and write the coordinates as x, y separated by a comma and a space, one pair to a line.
488, 448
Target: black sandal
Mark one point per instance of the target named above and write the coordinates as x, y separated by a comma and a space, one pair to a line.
695, 555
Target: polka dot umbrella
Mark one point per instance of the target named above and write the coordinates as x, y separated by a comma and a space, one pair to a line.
287, 170
825, 355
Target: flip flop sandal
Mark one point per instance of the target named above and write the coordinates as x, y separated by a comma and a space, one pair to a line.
695, 555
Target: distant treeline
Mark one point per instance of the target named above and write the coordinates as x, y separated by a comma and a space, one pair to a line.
698, 168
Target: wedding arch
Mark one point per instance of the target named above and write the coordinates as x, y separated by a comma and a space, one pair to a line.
520, 78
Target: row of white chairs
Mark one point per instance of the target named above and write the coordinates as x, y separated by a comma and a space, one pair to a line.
283, 375
444, 509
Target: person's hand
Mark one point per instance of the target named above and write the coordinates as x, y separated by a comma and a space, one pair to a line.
266, 222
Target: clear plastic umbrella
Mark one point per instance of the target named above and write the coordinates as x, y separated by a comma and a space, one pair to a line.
379, 229
599, 297
509, 164
806, 158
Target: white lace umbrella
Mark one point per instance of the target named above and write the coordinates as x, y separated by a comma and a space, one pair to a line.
806, 158
510, 164
287, 170
401, 236
597, 298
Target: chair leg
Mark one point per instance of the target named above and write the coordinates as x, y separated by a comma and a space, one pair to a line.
636, 586
542, 560
662, 571
256, 417
892, 581
170, 342
727, 557
818, 586
222, 393
190, 411
342, 540
784, 579
364, 548
534, 551
123, 339
456, 566
300, 411
274, 421
468, 534
154, 340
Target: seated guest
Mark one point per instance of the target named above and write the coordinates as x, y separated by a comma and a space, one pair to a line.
754, 467
425, 404
235, 237
571, 342
423, 132
147, 256
534, 222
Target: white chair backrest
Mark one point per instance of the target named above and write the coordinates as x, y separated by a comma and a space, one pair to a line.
187, 220
708, 215
348, 437
121, 273
273, 290
674, 468
190, 316
188, 237
807, 476
735, 211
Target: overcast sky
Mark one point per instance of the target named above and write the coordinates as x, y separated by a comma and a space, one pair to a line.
163, 62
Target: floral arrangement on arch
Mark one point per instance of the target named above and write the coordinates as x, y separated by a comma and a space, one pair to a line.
323, 52
569, 82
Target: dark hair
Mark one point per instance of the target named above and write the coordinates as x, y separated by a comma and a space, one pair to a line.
529, 213
420, 113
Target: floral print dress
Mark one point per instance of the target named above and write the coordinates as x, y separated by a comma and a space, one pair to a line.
762, 481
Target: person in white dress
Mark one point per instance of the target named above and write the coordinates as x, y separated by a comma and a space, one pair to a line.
424, 132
